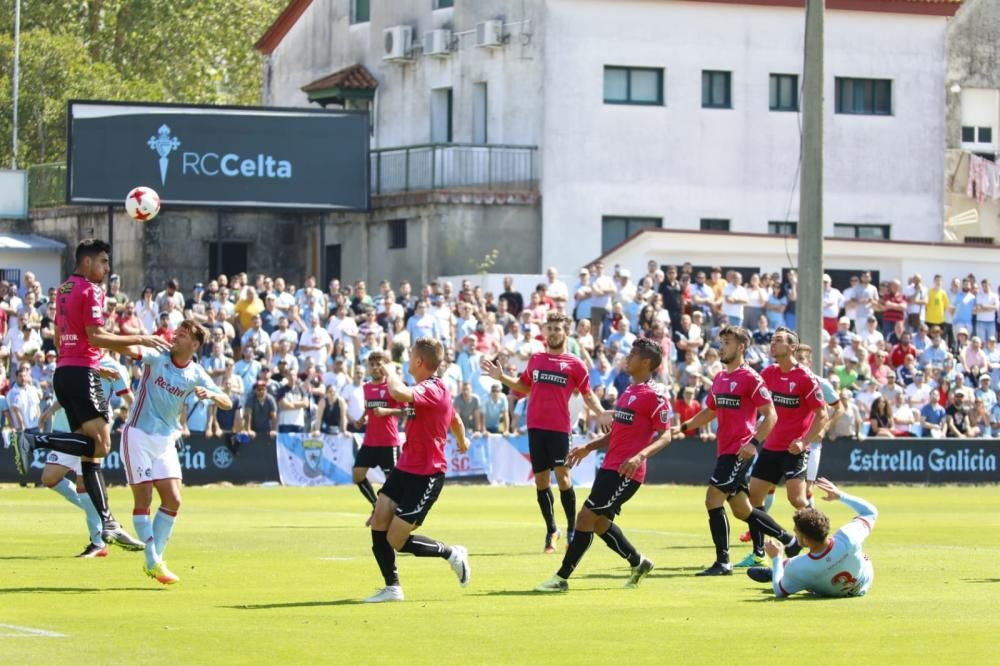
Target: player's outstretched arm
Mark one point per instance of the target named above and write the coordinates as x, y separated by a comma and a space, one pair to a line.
493, 369
578, 453
858, 529
221, 400
702, 418
99, 337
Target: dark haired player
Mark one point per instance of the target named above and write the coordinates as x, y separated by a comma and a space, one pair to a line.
408, 494
738, 394
640, 429
798, 401
80, 335
380, 447
149, 439
834, 566
549, 380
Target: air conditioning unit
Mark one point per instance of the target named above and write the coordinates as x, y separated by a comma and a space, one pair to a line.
397, 42
489, 34
437, 43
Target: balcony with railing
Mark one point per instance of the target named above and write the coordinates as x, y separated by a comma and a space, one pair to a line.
454, 166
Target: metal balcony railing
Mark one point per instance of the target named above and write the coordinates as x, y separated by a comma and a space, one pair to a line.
438, 166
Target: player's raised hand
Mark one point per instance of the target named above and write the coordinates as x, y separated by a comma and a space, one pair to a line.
575, 455
156, 342
491, 368
773, 548
832, 491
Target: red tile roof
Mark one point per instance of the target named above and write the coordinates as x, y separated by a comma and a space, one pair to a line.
272, 37
355, 77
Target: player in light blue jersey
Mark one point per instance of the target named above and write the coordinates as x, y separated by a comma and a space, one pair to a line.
150, 435
804, 356
114, 381
835, 566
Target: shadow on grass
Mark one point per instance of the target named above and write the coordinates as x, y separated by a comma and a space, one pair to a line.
678, 572
527, 593
37, 557
981, 580
296, 604
74, 590
313, 527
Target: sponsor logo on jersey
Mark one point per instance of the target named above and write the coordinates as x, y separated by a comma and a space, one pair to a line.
785, 400
727, 401
410, 411
624, 415
545, 377
372, 404
169, 388
764, 393
66, 287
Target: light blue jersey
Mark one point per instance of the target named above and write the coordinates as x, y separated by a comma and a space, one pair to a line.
830, 396
162, 392
113, 387
841, 569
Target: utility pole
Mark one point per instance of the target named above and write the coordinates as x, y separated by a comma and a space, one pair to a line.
809, 307
14, 80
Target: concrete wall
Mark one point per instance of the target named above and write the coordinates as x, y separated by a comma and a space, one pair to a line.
324, 41
973, 48
681, 162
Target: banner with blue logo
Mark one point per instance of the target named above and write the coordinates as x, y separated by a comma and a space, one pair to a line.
324, 460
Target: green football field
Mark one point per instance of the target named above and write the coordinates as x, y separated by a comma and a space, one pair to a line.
275, 574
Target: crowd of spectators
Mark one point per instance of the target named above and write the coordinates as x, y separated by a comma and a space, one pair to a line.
906, 360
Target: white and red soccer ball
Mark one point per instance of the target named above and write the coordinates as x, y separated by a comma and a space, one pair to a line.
142, 204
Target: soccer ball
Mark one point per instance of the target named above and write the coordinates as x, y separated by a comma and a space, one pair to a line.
142, 204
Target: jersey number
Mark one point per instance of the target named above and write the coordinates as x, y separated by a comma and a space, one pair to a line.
847, 583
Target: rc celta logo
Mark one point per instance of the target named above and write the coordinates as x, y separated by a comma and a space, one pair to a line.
212, 164
163, 144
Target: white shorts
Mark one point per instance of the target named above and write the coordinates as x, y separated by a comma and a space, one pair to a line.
64, 460
149, 457
812, 464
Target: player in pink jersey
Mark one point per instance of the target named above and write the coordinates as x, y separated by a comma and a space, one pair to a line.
80, 335
738, 395
381, 444
640, 429
550, 379
408, 494
798, 401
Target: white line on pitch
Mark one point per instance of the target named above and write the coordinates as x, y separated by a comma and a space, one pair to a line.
28, 632
336, 559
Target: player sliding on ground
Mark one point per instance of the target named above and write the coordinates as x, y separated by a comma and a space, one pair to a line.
408, 494
80, 335
640, 429
149, 439
550, 379
738, 394
835, 566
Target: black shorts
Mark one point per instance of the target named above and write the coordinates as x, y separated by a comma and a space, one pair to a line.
773, 466
78, 390
610, 491
384, 457
548, 449
731, 474
414, 494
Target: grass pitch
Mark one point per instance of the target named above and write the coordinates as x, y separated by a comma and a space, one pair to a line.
274, 575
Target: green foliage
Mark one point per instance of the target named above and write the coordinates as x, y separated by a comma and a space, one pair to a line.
189, 51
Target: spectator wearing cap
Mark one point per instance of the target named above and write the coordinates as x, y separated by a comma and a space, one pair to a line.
959, 417
115, 298
985, 392
625, 287
260, 416
893, 308
833, 301
843, 332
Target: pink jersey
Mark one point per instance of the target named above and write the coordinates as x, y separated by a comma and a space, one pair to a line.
380, 430
427, 429
80, 304
639, 413
553, 378
734, 398
796, 396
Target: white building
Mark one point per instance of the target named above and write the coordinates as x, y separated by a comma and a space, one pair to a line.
677, 114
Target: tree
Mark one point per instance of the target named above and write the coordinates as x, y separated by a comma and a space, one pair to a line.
188, 51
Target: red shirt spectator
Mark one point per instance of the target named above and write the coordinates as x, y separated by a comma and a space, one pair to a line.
686, 408
898, 354
894, 305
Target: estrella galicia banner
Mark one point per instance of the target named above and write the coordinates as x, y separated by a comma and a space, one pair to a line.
218, 155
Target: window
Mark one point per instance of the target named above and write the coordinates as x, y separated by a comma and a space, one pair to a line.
615, 230
441, 114
784, 92
397, 234
868, 231
714, 224
977, 134
441, 4
980, 110
783, 228
633, 85
479, 113
715, 90
360, 11
864, 96
234, 258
